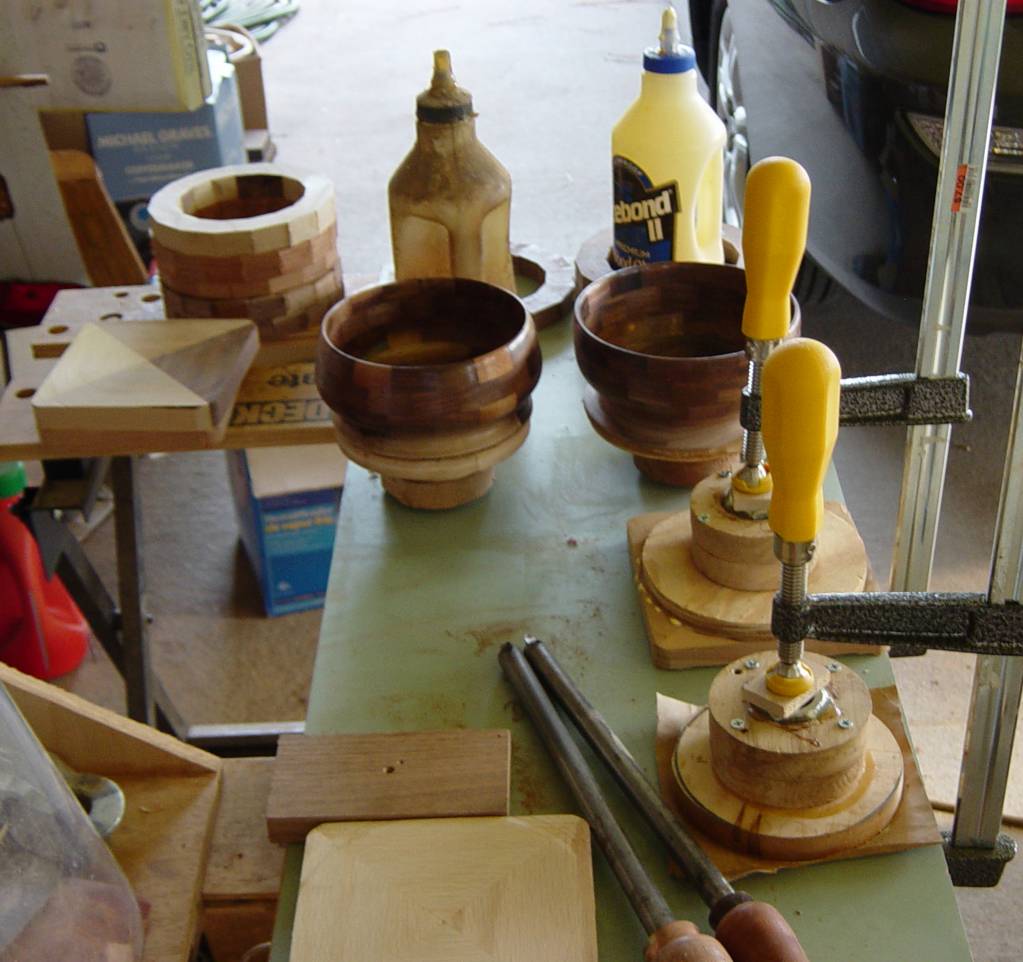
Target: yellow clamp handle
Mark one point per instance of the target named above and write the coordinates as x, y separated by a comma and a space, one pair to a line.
799, 420
776, 211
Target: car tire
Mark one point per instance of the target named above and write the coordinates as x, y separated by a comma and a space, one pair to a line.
813, 285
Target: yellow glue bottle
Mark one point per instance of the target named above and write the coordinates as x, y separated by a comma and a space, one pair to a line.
668, 163
450, 199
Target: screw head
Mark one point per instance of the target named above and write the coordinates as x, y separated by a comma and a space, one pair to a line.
751, 663
739, 724
703, 517
846, 723
726, 473
834, 666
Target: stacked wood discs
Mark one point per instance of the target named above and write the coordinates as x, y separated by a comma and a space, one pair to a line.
257, 241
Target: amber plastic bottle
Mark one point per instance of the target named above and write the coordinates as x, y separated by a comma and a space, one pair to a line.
450, 200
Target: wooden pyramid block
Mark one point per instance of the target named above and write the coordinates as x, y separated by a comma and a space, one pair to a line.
147, 377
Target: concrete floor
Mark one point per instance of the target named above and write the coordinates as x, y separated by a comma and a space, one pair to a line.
549, 81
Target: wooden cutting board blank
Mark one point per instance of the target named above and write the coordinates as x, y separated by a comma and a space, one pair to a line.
500, 889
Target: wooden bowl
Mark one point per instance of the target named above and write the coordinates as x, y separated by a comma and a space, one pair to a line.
429, 381
662, 349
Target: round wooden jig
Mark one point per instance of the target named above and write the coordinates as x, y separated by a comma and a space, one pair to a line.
783, 790
549, 303
670, 575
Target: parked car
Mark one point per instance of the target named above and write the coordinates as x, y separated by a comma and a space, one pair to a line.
855, 91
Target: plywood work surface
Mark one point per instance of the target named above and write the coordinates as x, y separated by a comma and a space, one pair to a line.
447, 890
389, 775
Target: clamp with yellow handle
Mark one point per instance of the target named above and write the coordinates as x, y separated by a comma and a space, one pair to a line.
776, 214
799, 415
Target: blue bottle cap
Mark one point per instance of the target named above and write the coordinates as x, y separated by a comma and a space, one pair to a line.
657, 62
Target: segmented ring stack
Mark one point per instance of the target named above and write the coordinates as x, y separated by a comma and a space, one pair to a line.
256, 241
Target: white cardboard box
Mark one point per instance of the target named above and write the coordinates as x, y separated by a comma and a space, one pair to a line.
109, 54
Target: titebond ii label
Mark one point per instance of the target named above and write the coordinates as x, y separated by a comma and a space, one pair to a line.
644, 216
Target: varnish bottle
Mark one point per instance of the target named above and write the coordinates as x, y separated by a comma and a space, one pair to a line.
450, 200
668, 163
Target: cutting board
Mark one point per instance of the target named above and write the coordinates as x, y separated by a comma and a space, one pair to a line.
500, 889
176, 377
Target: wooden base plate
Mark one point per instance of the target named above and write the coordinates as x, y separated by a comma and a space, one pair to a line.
912, 826
675, 643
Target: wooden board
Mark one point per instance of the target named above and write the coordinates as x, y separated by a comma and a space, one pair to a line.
143, 377
392, 775
676, 644
171, 792
447, 890
109, 254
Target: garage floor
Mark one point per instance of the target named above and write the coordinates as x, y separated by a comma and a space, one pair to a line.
549, 81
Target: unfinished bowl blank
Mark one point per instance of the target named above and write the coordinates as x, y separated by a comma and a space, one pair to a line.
429, 381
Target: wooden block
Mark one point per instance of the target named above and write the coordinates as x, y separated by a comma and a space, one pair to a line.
141, 377
232, 928
243, 863
388, 775
109, 254
447, 890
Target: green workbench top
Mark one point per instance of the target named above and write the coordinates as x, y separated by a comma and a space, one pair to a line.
419, 603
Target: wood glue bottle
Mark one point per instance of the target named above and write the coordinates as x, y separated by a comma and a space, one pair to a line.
450, 200
668, 163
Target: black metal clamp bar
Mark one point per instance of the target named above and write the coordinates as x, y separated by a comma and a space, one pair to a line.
889, 399
951, 621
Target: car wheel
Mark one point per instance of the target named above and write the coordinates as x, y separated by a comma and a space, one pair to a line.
812, 284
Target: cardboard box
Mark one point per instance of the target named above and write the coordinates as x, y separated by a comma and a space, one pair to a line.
138, 153
287, 502
109, 54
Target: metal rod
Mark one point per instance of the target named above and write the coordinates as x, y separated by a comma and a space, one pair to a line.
961, 173
138, 680
997, 680
711, 885
646, 899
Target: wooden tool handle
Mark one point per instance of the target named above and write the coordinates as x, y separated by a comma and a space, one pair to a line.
684, 942
776, 210
799, 420
757, 932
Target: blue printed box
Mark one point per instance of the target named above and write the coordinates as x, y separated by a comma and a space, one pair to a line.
287, 503
138, 153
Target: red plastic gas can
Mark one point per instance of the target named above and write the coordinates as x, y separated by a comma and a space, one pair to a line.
42, 632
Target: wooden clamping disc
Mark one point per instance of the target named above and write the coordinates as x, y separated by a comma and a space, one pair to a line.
244, 209
594, 257
673, 580
440, 470
732, 551
788, 791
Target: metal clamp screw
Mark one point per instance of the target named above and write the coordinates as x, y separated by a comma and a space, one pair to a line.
739, 724
846, 723
704, 518
726, 473
834, 666
751, 663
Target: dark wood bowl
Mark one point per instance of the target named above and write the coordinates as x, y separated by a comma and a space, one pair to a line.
427, 355
662, 349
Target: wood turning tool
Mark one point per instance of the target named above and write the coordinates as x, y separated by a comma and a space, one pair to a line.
713, 568
747, 931
788, 761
